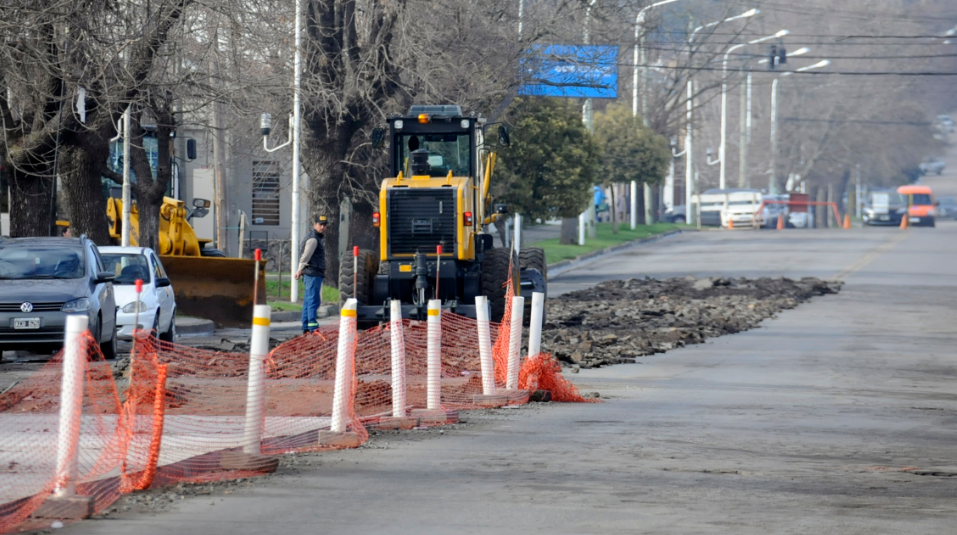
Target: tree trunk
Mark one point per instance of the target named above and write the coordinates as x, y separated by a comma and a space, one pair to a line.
30, 205
844, 208
614, 210
84, 193
640, 205
820, 215
569, 234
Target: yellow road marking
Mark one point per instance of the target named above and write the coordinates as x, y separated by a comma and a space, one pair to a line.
870, 257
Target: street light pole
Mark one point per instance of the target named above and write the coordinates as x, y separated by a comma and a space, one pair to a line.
297, 123
773, 180
722, 160
690, 215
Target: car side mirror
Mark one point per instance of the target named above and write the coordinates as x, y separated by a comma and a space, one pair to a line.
378, 137
105, 276
163, 282
503, 137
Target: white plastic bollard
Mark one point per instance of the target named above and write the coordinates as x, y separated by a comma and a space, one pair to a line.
485, 345
535, 324
634, 204
71, 404
398, 361
256, 385
345, 364
434, 356
517, 241
581, 228
515, 342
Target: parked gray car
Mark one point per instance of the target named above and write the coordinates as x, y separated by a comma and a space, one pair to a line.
42, 280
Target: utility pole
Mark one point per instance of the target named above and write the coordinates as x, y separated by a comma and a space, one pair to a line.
743, 140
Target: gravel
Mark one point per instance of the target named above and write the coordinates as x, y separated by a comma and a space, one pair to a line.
620, 321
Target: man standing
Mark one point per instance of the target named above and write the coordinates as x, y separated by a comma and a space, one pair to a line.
312, 266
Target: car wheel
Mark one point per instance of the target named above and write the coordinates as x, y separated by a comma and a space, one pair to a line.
169, 335
108, 348
679, 220
154, 331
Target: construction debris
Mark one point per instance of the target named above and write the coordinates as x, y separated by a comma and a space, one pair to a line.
619, 321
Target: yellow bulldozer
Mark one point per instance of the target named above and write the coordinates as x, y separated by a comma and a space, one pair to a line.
207, 284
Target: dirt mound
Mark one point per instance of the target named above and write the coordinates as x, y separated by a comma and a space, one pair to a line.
618, 321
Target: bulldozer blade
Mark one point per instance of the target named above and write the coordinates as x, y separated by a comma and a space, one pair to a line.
218, 289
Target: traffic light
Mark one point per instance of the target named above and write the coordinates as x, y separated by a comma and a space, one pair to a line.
782, 55
772, 56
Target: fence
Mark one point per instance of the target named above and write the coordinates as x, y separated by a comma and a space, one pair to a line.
72, 441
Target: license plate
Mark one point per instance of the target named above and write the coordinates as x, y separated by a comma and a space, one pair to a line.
26, 323
885, 218
915, 220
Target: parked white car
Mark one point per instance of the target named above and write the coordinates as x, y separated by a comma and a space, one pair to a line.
156, 304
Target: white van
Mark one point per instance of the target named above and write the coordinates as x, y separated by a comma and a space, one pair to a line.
742, 207
715, 202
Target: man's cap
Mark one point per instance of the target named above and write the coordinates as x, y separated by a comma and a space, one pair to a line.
321, 219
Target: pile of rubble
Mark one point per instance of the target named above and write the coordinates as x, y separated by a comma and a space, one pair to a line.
618, 321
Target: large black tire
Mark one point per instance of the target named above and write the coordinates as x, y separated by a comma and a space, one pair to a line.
494, 276
169, 335
368, 267
108, 348
534, 258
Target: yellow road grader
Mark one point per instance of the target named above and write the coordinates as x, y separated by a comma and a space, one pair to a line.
438, 196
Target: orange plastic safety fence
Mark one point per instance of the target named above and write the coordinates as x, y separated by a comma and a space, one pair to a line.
30, 443
183, 416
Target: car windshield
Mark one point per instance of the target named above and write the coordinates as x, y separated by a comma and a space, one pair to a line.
128, 267
921, 198
446, 152
41, 263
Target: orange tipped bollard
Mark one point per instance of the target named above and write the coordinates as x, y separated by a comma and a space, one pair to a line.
904, 222
780, 222
731, 223
847, 221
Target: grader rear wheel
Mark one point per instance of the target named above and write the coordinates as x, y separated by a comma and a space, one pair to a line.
357, 285
494, 276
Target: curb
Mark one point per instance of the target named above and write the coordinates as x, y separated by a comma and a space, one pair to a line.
194, 326
565, 265
292, 315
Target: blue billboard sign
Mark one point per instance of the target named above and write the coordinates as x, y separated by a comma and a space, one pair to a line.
571, 71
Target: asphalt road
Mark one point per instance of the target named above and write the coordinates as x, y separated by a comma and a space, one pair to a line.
837, 417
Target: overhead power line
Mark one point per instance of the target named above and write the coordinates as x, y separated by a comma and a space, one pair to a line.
855, 121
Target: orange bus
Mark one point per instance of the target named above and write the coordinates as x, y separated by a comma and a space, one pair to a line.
921, 207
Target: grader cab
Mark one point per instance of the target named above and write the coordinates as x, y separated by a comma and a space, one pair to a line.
437, 199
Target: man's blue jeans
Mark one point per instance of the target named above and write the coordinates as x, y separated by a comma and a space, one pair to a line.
310, 302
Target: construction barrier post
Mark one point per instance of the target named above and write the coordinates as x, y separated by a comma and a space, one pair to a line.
781, 222
847, 221
904, 222
535, 325
515, 342
485, 345
345, 358
488, 397
251, 458
65, 503
256, 384
71, 404
434, 356
398, 361
434, 414
345, 376
398, 420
